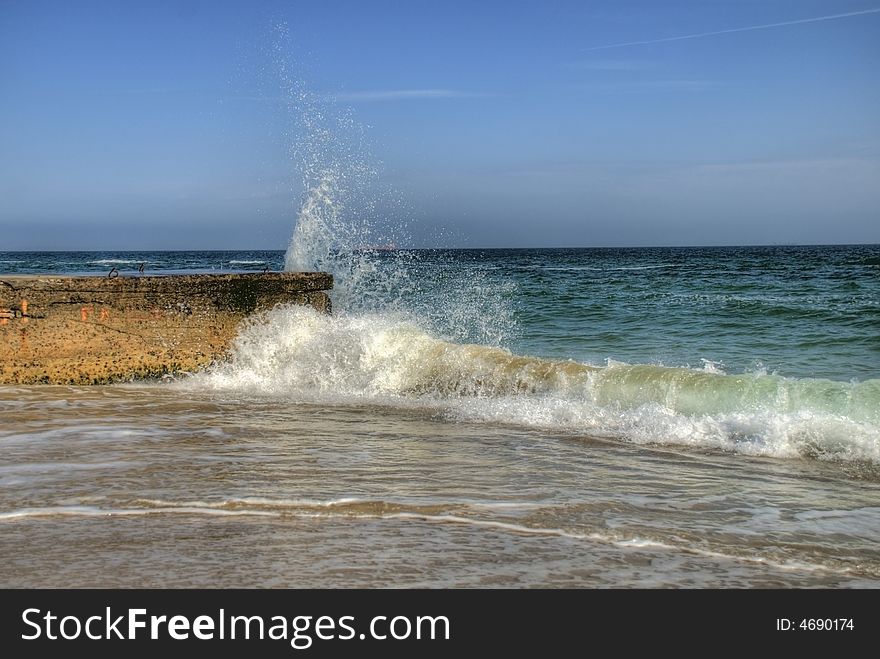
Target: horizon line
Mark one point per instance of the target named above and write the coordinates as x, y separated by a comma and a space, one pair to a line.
483, 247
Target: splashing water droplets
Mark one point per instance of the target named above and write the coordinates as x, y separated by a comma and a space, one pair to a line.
350, 224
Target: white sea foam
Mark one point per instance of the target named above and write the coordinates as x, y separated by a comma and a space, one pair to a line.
300, 355
386, 511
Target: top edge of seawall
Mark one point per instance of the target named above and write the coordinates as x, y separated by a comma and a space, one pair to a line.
159, 275
305, 281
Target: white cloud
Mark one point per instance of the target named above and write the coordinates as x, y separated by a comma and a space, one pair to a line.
404, 95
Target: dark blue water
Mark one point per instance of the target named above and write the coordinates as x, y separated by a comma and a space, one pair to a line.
128, 263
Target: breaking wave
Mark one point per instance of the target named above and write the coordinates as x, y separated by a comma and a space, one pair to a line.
299, 355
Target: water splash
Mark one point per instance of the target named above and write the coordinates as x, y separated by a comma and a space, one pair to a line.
338, 216
351, 224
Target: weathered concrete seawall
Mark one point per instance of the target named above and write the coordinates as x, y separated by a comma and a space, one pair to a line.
91, 330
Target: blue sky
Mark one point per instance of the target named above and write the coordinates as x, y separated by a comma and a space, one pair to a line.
162, 125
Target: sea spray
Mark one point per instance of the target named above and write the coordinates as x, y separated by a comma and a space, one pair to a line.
351, 224
337, 220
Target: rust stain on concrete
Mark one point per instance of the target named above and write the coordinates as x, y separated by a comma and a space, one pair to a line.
95, 330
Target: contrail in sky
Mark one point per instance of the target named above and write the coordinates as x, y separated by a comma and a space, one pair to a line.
748, 28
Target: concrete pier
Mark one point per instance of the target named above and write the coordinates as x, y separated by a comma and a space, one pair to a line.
94, 330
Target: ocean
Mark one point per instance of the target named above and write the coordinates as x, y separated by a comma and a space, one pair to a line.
642, 417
